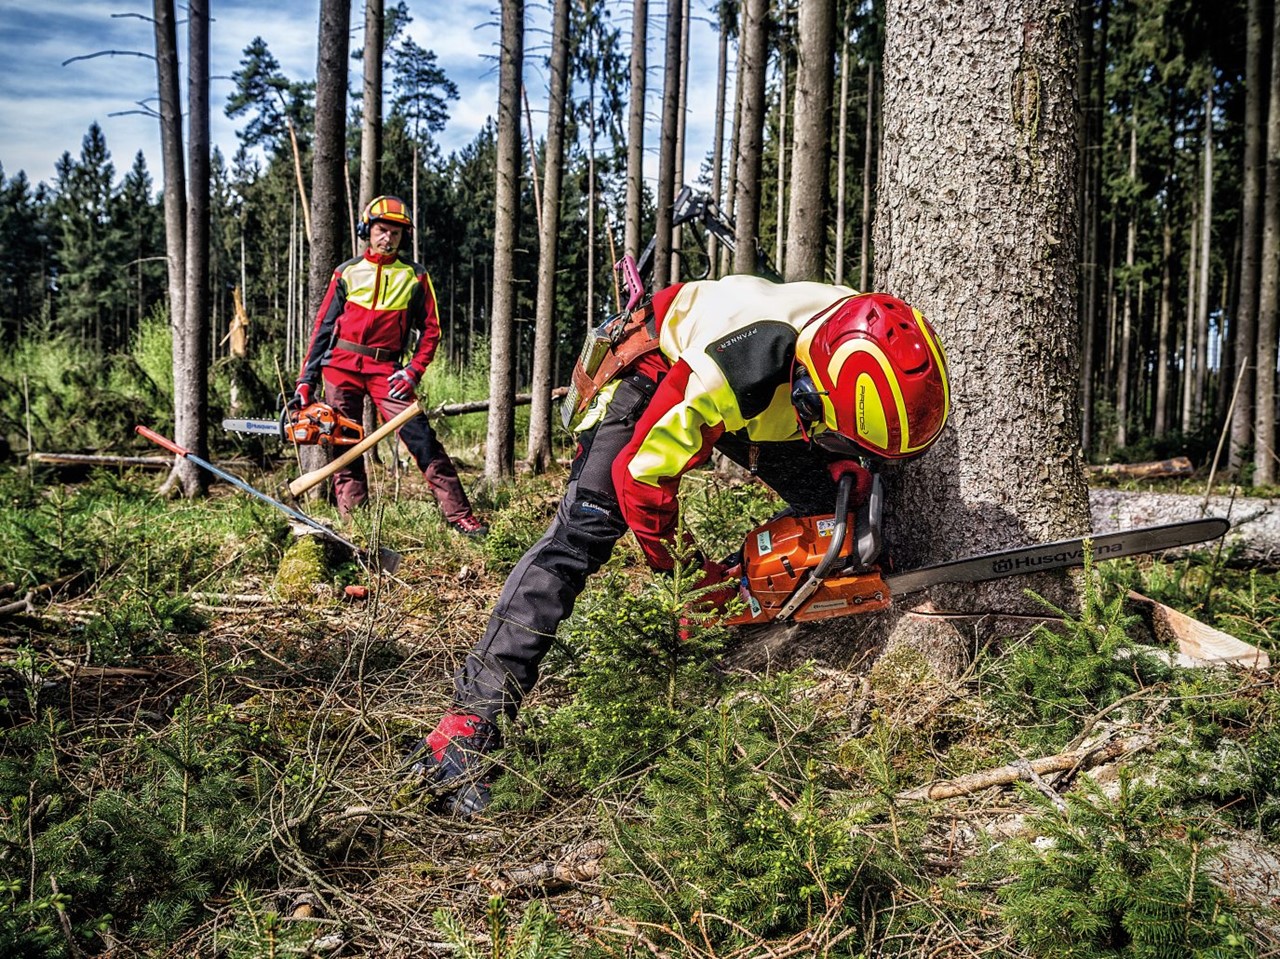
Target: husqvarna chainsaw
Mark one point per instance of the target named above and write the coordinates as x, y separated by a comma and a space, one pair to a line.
808, 568
317, 424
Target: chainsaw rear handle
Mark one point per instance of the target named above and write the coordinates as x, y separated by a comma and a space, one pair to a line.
159, 440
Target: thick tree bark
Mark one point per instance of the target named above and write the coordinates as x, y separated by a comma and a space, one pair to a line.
842, 127
810, 158
632, 241
371, 105
191, 378
1264, 429
539, 454
500, 437
988, 182
667, 148
752, 65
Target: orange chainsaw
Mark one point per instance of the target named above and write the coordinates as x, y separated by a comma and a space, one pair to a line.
317, 424
809, 567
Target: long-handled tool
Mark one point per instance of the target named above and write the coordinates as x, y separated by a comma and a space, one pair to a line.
388, 560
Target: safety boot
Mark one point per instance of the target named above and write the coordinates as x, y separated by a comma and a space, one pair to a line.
451, 762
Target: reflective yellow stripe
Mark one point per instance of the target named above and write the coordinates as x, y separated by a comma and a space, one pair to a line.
676, 439
842, 354
397, 284
940, 358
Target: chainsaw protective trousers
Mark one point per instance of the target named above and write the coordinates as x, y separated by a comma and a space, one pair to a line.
541, 591
345, 392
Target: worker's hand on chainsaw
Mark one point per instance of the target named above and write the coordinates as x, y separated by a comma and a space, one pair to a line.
301, 398
725, 578
401, 384
861, 479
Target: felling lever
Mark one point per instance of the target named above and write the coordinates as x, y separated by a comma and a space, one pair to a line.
388, 560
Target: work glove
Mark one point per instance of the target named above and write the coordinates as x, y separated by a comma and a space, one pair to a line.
301, 397
401, 384
861, 479
725, 579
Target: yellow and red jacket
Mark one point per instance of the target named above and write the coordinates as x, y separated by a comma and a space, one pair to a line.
727, 348
375, 301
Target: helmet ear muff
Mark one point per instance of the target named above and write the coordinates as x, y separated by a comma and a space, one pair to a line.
362, 229
805, 396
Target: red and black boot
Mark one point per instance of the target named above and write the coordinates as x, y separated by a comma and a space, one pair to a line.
452, 762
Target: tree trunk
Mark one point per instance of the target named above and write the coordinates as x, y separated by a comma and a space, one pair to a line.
1125, 345
1008, 468
667, 149
1200, 407
191, 378
868, 161
842, 127
807, 219
371, 105
632, 230
1264, 429
717, 136
731, 191
1164, 339
500, 438
539, 455
682, 111
175, 178
780, 209
753, 63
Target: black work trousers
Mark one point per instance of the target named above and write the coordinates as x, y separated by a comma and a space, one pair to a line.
541, 591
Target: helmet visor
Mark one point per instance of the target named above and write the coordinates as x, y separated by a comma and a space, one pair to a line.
838, 443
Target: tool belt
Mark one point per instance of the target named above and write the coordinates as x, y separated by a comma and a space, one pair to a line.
377, 353
610, 348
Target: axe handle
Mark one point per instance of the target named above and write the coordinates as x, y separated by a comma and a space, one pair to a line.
308, 480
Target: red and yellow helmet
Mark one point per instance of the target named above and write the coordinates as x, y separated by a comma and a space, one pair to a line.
880, 374
388, 209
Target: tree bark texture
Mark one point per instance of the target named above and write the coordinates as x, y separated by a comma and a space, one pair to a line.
539, 454
976, 227
717, 136
191, 379
1252, 192
371, 106
500, 436
175, 177
329, 159
1254, 539
632, 241
1265, 452
811, 139
753, 63
667, 148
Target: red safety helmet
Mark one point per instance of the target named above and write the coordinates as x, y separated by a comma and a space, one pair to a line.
388, 209
872, 372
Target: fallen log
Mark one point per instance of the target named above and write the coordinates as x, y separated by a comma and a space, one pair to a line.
1254, 539
1178, 466
99, 459
1024, 769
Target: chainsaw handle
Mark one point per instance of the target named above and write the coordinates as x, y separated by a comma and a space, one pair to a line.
843, 490
159, 440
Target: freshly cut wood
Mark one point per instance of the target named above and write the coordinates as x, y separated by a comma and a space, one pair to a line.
1178, 466
1024, 769
1198, 644
1254, 539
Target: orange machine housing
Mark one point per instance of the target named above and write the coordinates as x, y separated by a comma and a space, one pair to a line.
775, 558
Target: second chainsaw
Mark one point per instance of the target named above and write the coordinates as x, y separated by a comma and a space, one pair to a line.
316, 424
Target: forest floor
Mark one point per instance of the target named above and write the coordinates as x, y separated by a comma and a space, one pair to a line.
205, 734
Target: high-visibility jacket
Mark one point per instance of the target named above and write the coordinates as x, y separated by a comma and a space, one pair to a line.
728, 347
375, 301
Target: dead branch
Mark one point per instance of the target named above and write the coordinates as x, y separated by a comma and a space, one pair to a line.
1004, 775
111, 53
99, 459
577, 864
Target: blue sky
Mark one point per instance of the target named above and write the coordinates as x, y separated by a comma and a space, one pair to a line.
46, 108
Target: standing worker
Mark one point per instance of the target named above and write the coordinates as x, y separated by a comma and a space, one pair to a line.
801, 383
373, 306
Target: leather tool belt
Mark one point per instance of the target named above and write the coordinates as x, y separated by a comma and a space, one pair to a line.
613, 346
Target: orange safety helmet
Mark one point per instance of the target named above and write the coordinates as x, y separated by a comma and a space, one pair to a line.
389, 209
871, 377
